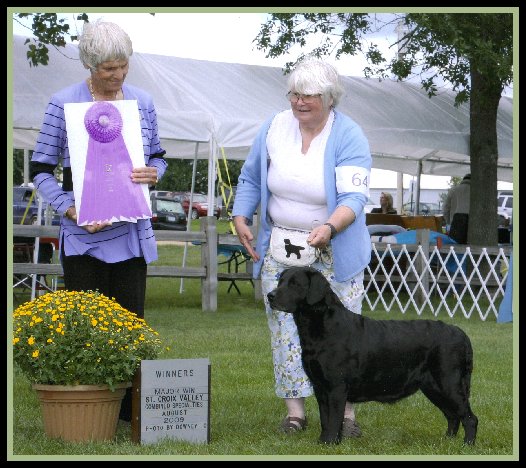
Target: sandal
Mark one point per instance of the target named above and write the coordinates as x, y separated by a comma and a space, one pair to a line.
350, 428
288, 424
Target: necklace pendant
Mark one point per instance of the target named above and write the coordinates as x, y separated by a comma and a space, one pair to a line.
118, 95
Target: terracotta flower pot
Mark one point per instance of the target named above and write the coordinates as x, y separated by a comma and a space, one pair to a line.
80, 413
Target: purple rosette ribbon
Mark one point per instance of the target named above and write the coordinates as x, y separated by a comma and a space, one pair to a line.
108, 194
103, 122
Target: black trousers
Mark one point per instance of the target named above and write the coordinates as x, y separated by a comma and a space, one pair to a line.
125, 281
458, 231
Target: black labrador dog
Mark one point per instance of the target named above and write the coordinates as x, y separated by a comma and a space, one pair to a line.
353, 358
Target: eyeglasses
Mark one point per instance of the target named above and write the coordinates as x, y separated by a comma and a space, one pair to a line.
306, 98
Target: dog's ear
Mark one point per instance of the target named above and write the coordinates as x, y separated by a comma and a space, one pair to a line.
317, 288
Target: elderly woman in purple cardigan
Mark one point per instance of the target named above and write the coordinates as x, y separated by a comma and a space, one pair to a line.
107, 255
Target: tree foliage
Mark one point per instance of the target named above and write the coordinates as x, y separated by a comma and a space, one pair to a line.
48, 29
178, 176
436, 46
18, 166
454, 44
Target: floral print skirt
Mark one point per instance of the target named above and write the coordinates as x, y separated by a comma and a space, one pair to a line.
291, 380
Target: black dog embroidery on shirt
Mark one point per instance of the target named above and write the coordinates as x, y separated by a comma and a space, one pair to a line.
293, 249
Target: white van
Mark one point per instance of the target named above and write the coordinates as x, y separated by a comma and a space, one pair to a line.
505, 207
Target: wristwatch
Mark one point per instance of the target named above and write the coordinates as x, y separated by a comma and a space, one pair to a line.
333, 229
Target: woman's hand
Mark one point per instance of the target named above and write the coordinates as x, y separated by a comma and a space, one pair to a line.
144, 175
319, 237
245, 236
71, 213
93, 228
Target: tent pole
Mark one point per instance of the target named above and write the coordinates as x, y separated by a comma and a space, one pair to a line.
417, 198
212, 174
189, 217
26, 167
36, 249
399, 191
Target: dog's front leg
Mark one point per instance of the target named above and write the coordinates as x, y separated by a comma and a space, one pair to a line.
331, 403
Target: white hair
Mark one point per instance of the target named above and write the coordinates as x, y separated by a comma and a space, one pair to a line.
102, 42
315, 76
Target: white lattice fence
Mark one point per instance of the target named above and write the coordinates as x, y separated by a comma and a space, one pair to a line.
430, 278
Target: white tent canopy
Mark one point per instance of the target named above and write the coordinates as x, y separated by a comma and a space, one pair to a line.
222, 105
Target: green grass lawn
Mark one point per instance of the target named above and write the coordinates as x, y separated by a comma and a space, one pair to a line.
245, 413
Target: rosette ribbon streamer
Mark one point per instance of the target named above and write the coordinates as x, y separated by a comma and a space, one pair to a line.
108, 194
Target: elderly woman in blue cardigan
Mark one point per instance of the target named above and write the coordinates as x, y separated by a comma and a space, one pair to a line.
309, 170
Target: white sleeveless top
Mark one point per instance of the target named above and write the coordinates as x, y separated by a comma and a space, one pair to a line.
295, 180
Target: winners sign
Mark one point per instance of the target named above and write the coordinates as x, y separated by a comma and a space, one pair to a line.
175, 400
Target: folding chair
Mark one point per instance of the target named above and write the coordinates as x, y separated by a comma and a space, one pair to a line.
24, 252
236, 255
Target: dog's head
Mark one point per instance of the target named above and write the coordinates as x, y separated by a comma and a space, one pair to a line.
298, 286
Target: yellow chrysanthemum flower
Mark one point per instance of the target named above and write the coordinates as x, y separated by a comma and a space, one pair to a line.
80, 328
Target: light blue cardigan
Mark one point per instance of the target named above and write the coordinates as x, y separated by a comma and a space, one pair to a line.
346, 146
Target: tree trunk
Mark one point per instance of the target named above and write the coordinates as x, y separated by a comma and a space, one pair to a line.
484, 101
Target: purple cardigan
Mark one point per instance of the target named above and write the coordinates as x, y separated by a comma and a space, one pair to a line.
122, 240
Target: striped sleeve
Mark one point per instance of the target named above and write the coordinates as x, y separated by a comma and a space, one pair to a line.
50, 148
52, 140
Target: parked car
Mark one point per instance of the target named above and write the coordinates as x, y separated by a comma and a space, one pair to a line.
25, 207
167, 213
161, 193
505, 207
425, 208
199, 204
